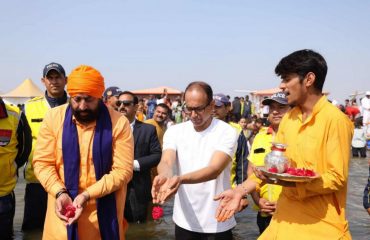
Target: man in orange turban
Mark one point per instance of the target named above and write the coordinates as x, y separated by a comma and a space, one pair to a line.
84, 160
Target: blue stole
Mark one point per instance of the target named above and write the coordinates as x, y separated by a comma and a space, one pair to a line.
102, 158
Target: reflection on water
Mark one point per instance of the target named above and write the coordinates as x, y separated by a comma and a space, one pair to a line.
246, 229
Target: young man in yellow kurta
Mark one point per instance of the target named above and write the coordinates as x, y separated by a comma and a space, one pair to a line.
82, 116
318, 136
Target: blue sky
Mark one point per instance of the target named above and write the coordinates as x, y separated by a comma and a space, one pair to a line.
229, 44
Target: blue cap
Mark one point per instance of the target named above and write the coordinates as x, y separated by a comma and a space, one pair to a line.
279, 97
111, 91
220, 99
54, 66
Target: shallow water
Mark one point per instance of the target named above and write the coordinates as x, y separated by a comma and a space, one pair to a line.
246, 228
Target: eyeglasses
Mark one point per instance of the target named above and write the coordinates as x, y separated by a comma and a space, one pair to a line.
87, 99
125, 103
197, 110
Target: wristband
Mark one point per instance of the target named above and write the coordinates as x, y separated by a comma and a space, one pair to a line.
60, 193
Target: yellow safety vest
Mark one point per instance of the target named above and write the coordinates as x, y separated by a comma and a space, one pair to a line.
35, 110
238, 129
263, 140
8, 150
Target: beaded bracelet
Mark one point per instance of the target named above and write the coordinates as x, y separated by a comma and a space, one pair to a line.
61, 192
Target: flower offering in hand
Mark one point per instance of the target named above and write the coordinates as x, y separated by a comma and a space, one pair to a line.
69, 211
157, 212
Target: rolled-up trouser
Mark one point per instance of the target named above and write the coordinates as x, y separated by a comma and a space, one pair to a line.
7, 211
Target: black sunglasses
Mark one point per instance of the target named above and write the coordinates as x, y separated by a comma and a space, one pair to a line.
125, 103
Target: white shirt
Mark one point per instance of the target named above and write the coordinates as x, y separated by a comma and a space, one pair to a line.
194, 207
265, 109
365, 105
136, 162
359, 138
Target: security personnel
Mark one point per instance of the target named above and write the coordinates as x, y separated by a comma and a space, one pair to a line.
54, 79
15, 146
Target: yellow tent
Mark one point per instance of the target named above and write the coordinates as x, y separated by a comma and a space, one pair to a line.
26, 90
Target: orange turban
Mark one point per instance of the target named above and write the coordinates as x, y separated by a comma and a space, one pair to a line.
85, 80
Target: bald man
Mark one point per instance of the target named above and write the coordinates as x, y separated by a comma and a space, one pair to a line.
201, 149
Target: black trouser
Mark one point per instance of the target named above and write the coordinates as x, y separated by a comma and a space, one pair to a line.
7, 211
263, 222
35, 205
136, 210
359, 152
183, 234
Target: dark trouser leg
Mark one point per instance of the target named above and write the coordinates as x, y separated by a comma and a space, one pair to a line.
227, 235
363, 152
183, 234
135, 210
355, 152
35, 204
7, 211
263, 222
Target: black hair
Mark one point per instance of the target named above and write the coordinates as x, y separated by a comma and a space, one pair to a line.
136, 100
259, 120
302, 62
204, 86
163, 105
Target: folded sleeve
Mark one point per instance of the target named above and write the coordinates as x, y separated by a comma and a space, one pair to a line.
229, 142
169, 139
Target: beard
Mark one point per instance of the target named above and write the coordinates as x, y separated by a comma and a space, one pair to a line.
85, 116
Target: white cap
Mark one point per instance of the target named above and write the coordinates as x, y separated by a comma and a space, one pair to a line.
367, 93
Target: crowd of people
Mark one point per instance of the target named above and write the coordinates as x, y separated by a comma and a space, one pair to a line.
107, 156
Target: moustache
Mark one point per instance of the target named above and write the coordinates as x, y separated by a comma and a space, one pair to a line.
89, 111
85, 116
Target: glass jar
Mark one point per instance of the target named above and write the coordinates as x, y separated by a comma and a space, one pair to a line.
276, 159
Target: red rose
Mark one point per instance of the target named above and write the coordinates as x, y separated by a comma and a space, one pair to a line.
291, 171
300, 172
69, 211
273, 169
157, 212
309, 173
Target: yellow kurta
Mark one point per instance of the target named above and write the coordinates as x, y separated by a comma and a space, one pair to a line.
160, 130
49, 169
314, 210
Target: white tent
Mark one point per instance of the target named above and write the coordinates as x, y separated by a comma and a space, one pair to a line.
23, 92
